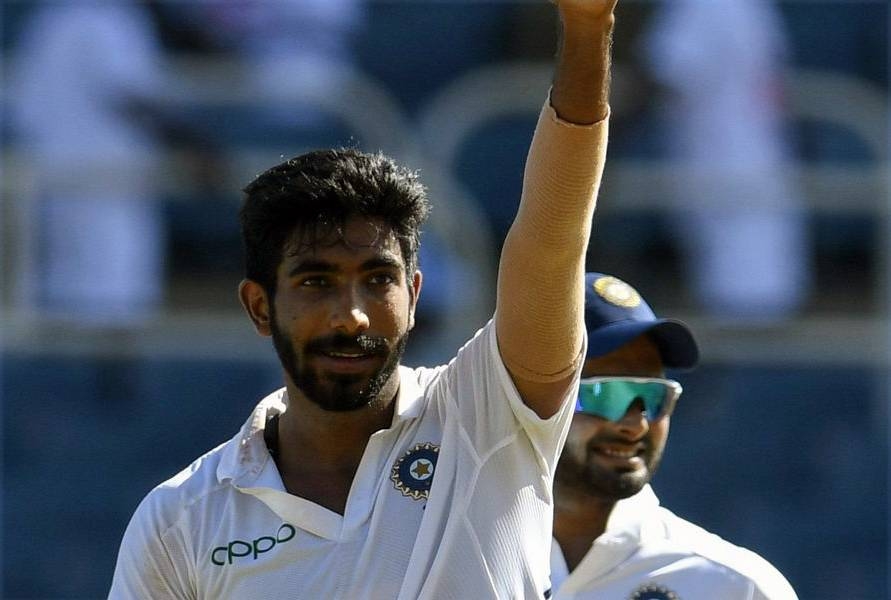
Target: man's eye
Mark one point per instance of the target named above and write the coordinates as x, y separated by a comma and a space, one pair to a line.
382, 279
313, 281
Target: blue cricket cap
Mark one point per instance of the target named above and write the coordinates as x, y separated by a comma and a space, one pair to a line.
615, 314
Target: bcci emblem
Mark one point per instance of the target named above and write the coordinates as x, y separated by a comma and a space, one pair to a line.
617, 292
413, 473
652, 591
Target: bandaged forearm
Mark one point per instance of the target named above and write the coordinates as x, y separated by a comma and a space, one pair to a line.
539, 314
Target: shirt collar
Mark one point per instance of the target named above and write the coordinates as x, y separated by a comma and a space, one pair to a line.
631, 511
246, 454
634, 519
630, 523
408, 399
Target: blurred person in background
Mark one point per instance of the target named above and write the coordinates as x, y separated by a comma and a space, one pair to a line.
612, 539
739, 217
287, 46
86, 78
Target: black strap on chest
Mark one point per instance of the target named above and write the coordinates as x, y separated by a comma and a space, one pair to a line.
270, 435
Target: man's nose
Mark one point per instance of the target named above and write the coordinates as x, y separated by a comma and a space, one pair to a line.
634, 423
350, 314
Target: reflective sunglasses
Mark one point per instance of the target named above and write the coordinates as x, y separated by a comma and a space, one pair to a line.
610, 397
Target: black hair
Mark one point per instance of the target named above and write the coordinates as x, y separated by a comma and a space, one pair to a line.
318, 192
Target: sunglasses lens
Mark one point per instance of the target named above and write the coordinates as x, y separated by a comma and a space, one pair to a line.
610, 399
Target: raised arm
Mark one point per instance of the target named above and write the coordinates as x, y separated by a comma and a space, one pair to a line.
539, 310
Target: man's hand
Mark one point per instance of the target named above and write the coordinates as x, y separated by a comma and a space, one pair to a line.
586, 8
581, 86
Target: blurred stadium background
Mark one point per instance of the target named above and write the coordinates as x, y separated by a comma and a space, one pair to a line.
781, 440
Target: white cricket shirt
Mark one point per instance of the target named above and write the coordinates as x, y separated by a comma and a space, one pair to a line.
649, 553
452, 501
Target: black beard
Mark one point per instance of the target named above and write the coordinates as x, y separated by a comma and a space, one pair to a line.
606, 484
344, 395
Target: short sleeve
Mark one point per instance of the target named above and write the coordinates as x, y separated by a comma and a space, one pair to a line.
491, 408
151, 561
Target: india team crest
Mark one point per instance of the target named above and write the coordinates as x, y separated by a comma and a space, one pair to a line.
617, 292
652, 591
413, 473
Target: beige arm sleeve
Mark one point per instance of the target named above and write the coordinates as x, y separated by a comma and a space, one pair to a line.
539, 312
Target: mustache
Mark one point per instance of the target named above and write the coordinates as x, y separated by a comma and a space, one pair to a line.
607, 440
364, 344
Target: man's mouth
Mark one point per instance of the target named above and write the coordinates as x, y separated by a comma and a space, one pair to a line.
622, 456
620, 453
336, 354
352, 361
348, 355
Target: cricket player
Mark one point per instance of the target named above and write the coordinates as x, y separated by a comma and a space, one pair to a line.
361, 478
612, 540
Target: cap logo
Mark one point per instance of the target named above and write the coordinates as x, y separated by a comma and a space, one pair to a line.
617, 292
653, 591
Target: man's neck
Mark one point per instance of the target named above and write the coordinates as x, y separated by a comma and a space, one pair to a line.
579, 519
320, 451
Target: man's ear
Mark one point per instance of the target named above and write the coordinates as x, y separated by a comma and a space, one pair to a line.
256, 304
415, 291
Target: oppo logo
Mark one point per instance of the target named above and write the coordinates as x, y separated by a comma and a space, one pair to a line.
226, 555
